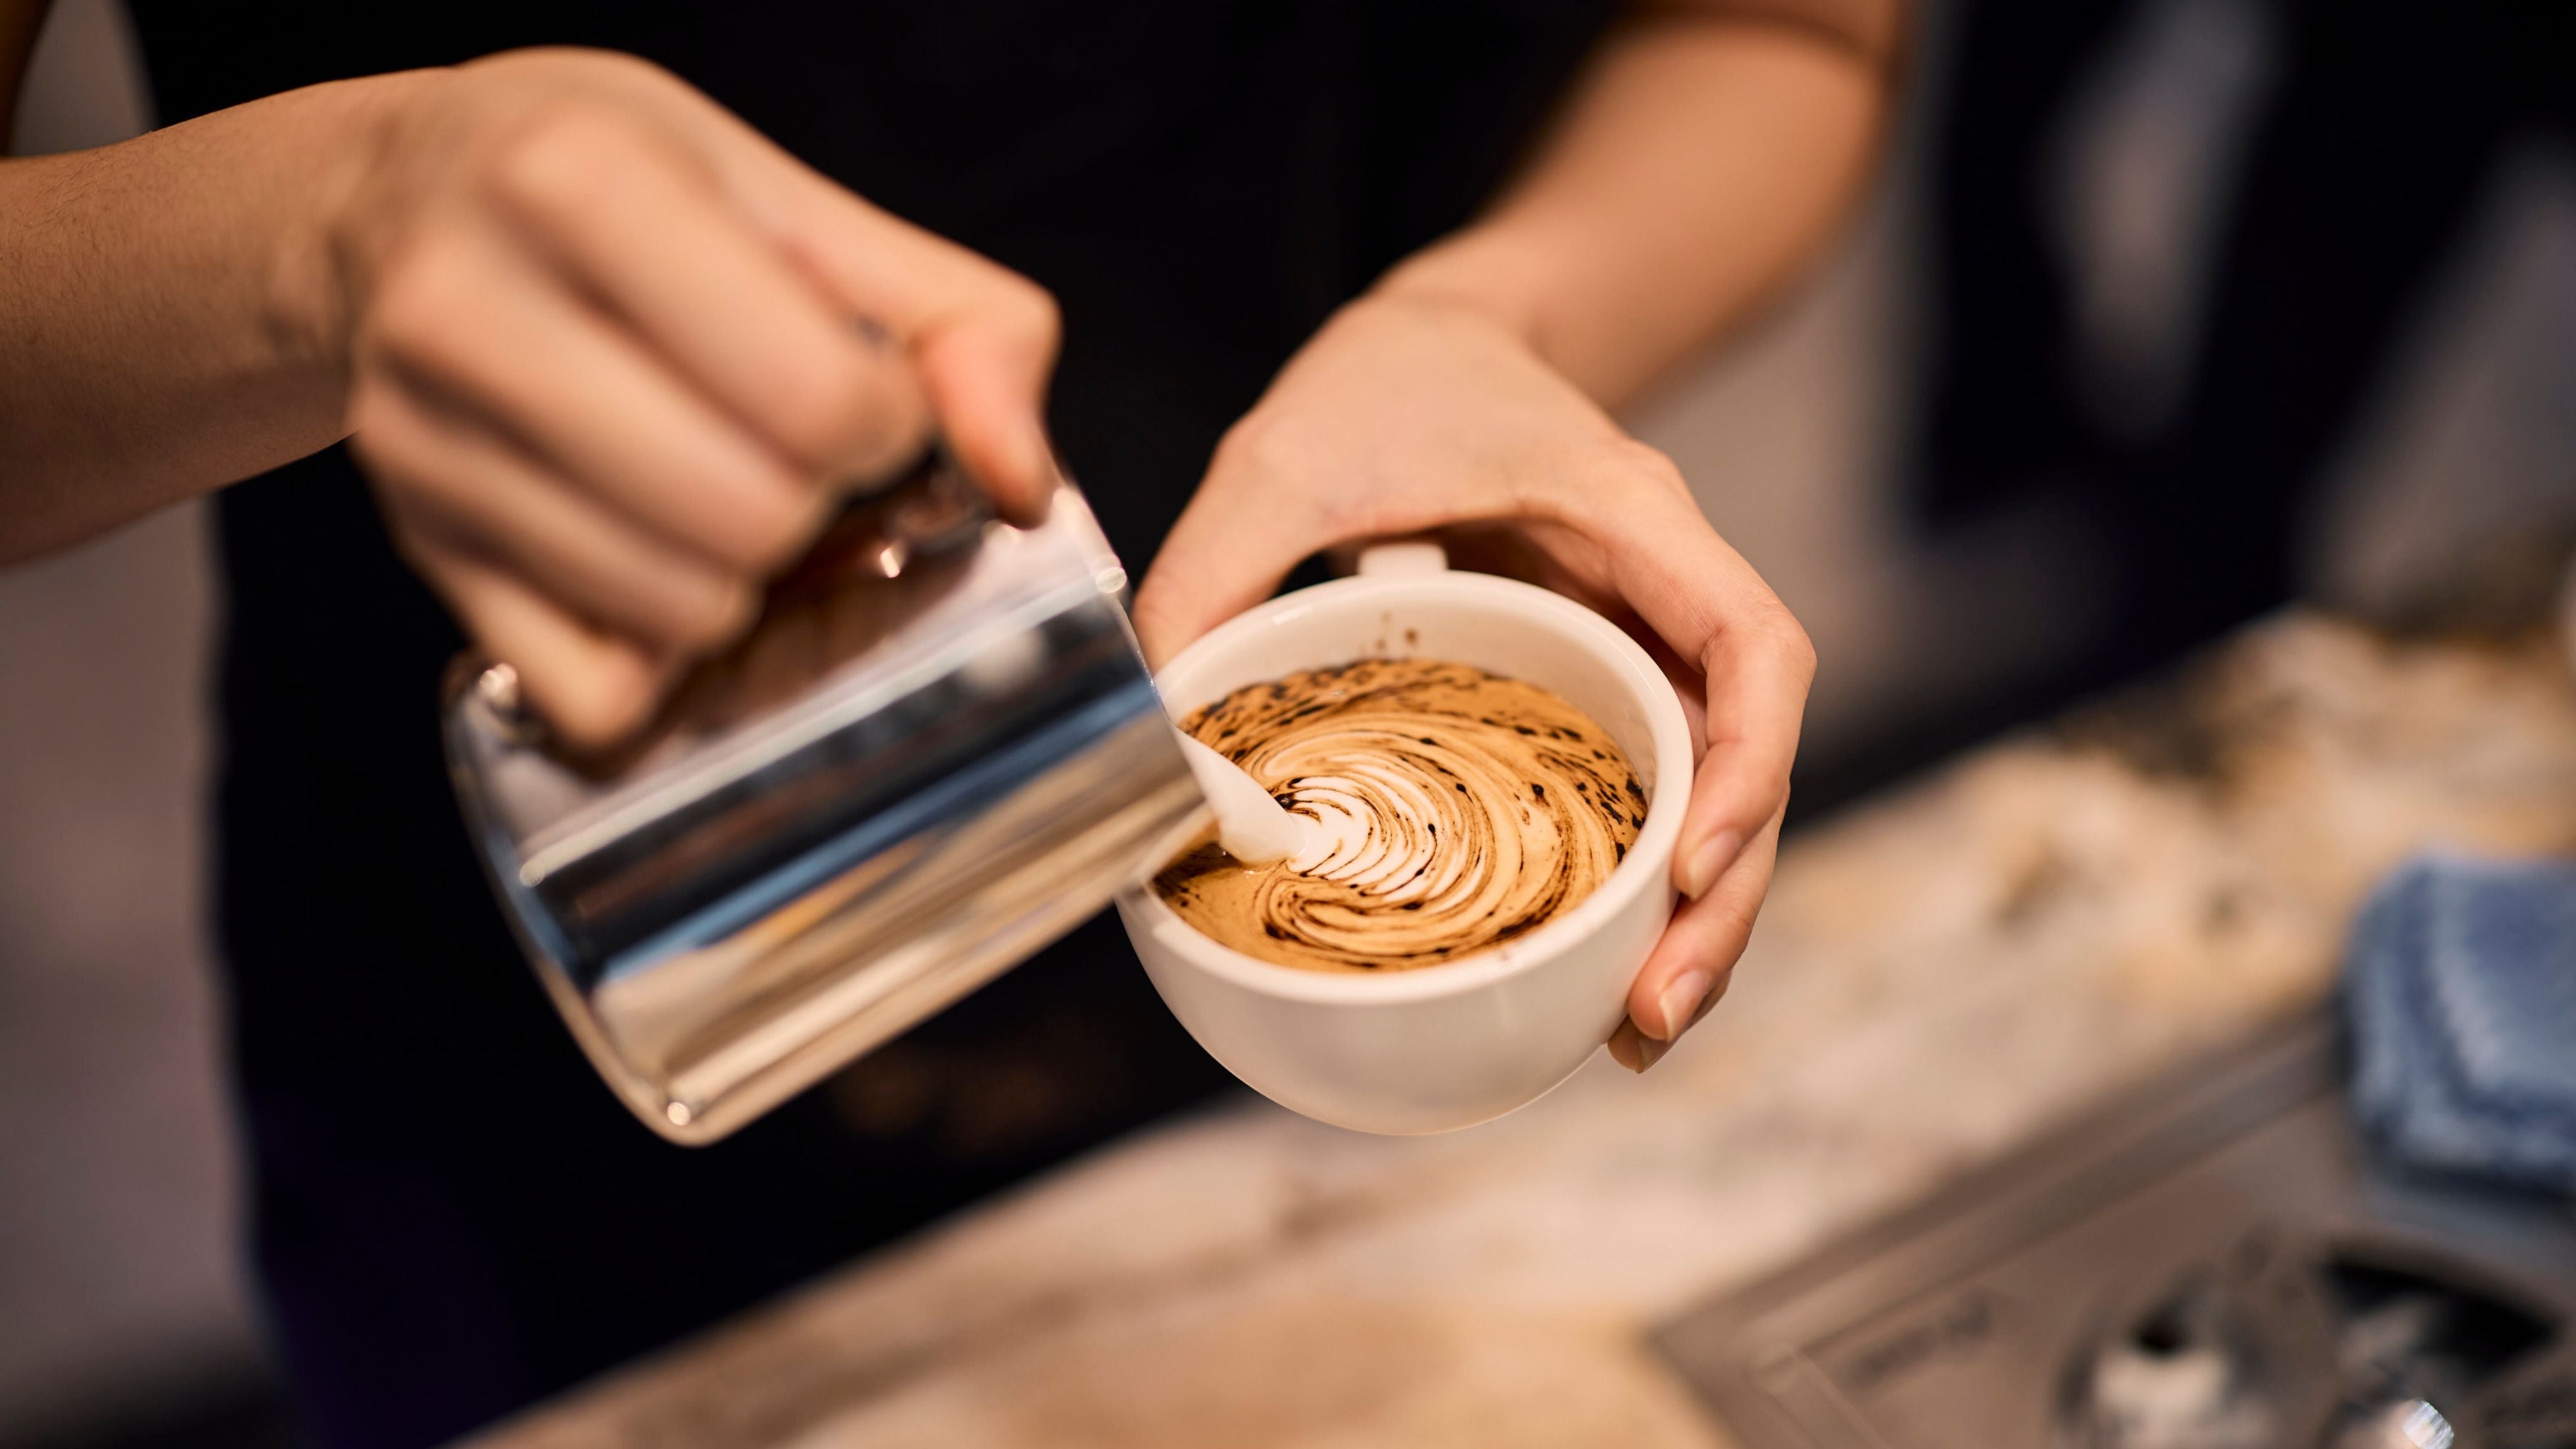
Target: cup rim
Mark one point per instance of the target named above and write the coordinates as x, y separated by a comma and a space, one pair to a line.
1648, 865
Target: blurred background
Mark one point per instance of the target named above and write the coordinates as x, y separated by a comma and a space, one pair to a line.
2160, 313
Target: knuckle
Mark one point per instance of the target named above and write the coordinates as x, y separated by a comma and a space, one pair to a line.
596, 710
628, 688
714, 616
1806, 663
422, 300
1036, 313
770, 531
561, 157
592, 694
1627, 462
1786, 637
827, 407
389, 442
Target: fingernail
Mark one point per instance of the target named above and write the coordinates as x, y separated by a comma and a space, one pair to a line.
1705, 864
1649, 1052
1624, 1047
1681, 1000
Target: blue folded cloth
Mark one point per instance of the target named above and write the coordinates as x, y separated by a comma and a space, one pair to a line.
2460, 982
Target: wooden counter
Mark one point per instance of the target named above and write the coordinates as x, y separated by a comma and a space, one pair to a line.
1937, 976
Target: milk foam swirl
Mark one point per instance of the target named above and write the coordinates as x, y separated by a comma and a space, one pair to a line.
1460, 809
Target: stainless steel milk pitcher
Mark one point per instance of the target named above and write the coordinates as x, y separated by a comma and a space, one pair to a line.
938, 750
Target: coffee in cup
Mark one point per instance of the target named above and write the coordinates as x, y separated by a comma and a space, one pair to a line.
1456, 810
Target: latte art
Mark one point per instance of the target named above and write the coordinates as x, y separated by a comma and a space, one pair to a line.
1457, 810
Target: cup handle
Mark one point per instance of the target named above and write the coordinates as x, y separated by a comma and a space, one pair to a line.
1408, 559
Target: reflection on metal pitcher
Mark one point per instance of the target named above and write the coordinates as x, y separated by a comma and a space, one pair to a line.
938, 750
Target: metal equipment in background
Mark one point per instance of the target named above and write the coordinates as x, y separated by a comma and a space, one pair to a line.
2214, 1262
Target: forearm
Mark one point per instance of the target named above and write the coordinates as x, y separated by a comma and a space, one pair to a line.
168, 303
1701, 159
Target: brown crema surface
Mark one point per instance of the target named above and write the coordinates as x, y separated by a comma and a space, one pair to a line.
1459, 809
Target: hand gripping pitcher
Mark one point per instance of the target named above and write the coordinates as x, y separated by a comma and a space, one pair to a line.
937, 750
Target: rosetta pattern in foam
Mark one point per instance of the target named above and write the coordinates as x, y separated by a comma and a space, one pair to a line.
1458, 810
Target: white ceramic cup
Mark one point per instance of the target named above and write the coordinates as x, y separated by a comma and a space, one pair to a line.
1434, 1048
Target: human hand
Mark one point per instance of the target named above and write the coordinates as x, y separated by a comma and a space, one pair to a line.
1407, 414
611, 353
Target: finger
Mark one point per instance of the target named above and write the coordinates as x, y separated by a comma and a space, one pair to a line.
1717, 614
987, 383
1633, 1049
1690, 687
1758, 670
643, 223
486, 326
1561, 560
983, 337
591, 688
457, 481
1689, 968
1628, 1047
